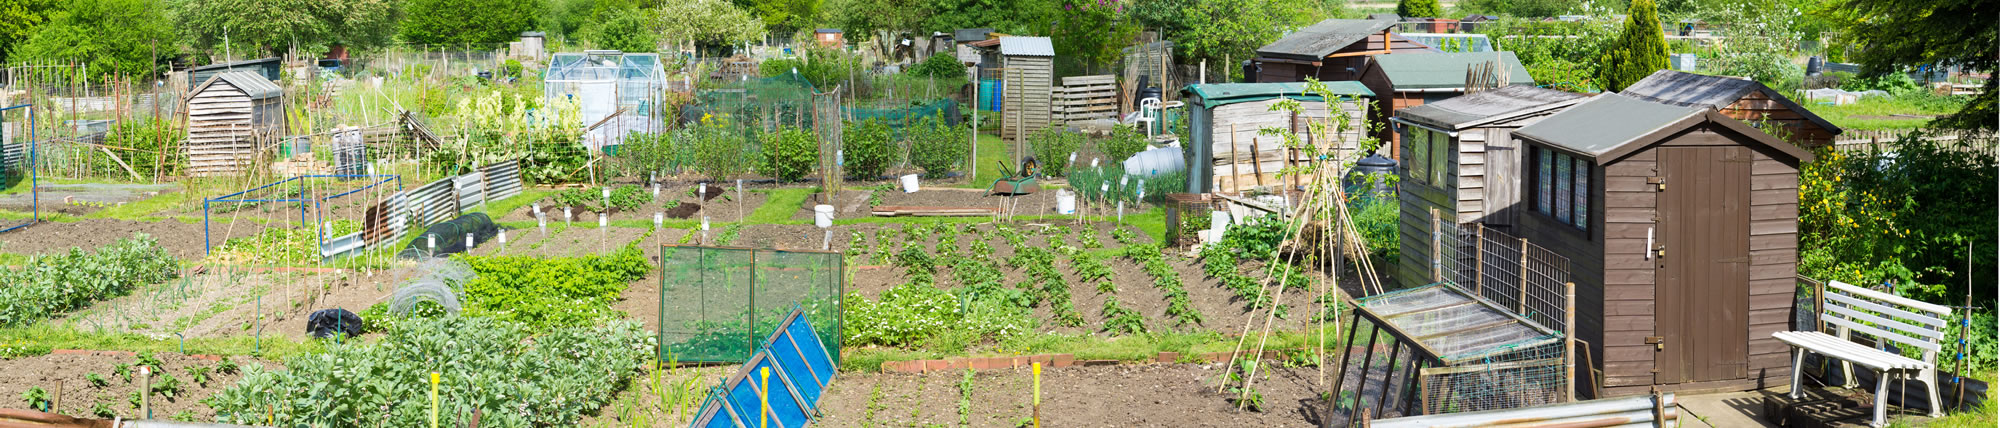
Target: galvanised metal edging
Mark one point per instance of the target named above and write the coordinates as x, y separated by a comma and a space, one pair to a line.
469, 190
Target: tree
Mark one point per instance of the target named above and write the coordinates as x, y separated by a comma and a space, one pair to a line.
1638, 51
270, 27
1419, 9
1896, 36
111, 37
467, 21
783, 16
626, 32
18, 20
712, 22
1520, 8
1092, 32
863, 19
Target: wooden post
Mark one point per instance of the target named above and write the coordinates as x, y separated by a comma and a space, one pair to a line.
1437, 257
1478, 260
1569, 342
1521, 300
1235, 163
1255, 166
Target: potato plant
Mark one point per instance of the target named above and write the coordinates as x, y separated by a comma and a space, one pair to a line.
50, 285
1164, 278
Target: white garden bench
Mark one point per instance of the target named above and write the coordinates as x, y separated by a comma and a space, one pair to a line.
1885, 316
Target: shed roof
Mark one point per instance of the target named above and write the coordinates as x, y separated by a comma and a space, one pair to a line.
963, 35
828, 31
1213, 95
1611, 125
238, 64
1484, 107
1717, 92
1026, 46
1324, 38
1445, 70
1468, 42
252, 84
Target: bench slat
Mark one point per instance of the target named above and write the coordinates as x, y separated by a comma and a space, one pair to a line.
1889, 298
1891, 310
1912, 330
1885, 335
1834, 347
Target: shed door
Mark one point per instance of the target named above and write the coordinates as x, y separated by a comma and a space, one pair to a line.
1503, 181
1704, 270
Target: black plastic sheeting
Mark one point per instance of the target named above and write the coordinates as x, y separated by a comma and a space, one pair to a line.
451, 236
328, 322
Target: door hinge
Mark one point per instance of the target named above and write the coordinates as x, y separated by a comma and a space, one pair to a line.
1659, 342
1661, 182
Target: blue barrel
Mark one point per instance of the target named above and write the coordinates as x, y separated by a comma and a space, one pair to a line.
990, 91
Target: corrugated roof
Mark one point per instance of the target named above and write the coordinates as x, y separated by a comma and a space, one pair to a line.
1445, 70
252, 84
1026, 46
963, 35
1217, 94
1717, 92
1487, 106
1324, 38
1606, 122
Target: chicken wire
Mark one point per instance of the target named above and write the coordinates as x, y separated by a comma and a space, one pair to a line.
1440, 349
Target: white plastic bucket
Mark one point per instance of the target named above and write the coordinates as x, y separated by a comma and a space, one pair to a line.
1065, 202
910, 183
823, 216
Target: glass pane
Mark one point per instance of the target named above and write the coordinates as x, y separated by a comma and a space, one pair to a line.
1441, 148
1542, 180
1561, 191
1582, 206
1420, 155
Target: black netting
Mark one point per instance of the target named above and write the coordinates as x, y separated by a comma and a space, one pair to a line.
449, 236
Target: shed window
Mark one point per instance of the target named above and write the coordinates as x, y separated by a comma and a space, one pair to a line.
1562, 187
1440, 156
1419, 151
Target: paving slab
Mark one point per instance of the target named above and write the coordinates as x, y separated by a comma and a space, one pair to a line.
1731, 409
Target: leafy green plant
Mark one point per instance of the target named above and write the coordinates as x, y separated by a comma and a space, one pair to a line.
48, 285
183, 416
199, 375
134, 398
1249, 397
147, 359
790, 154
168, 386
513, 376
867, 148
1124, 141
629, 197
102, 410
937, 147
227, 366
1052, 147
546, 293
965, 399
1168, 281
1121, 320
96, 380
37, 398
941, 65
123, 370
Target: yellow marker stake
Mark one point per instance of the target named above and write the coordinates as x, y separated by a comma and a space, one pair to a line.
1038, 395
764, 394
434, 399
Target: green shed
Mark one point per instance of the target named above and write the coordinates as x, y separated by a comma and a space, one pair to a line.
1226, 152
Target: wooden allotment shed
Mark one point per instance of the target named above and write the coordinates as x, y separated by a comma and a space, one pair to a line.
230, 118
1681, 227
1228, 152
1740, 98
1402, 81
1460, 160
1027, 75
1331, 50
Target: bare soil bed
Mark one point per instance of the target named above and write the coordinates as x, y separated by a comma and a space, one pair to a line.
226, 302
70, 371
726, 205
857, 203
182, 240
1175, 395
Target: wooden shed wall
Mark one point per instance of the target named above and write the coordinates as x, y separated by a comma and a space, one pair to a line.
1757, 107
226, 128
1236, 165
1473, 170
1028, 98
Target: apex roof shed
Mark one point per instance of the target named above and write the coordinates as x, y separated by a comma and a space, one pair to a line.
1680, 224
1027, 68
231, 116
1737, 97
1402, 81
1331, 50
1230, 155
1460, 159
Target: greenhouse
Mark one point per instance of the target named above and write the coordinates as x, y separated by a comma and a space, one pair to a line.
606, 84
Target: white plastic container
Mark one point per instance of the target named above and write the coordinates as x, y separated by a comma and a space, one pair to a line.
1065, 202
1155, 162
823, 216
910, 183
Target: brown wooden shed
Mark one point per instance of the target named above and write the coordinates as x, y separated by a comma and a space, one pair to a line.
1737, 97
1402, 81
1461, 160
1680, 224
1331, 50
231, 118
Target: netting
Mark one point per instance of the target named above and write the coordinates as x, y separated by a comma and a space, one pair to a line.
1439, 349
716, 304
763, 104
448, 237
440, 283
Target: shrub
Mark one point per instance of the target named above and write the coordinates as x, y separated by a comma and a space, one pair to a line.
937, 147
941, 65
790, 154
511, 375
1125, 141
54, 284
720, 152
1377, 220
1637, 52
867, 149
513, 68
1052, 147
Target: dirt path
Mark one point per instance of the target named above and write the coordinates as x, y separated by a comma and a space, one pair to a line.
70, 372
1176, 395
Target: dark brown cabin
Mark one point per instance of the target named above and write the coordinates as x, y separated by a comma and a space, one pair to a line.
1402, 81
1332, 50
1736, 97
1680, 224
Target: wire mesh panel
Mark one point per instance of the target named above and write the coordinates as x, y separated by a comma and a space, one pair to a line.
1440, 348
1526, 373
718, 304
1547, 276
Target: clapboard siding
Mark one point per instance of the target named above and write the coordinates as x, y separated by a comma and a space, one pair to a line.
1240, 152
1029, 95
226, 126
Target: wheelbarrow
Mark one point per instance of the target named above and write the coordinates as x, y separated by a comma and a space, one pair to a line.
1017, 182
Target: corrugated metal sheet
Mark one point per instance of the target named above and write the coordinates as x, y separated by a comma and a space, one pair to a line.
470, 189
503, 179
1027, 46
433, 203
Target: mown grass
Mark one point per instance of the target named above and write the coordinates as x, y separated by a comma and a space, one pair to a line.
985, 167
42, 338
1877, 113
